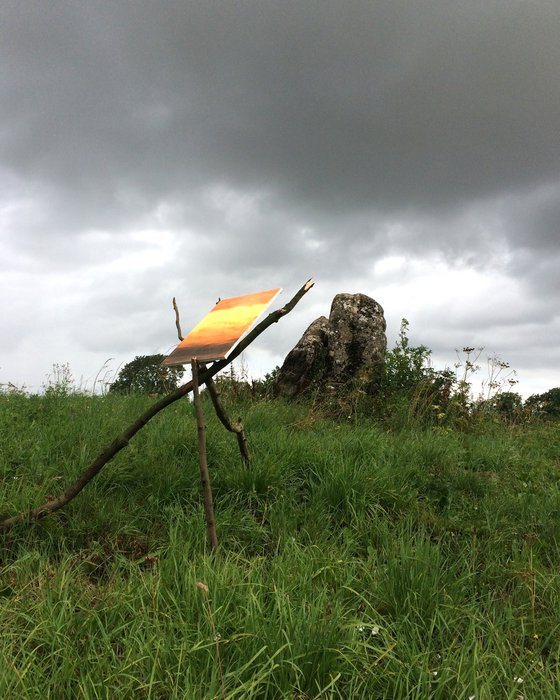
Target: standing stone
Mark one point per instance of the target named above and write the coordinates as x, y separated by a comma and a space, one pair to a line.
306, 362
357, 340
348, 347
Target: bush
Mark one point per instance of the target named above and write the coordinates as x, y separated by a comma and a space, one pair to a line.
146, 375
405, 366
507, 403
547, 404
409, 389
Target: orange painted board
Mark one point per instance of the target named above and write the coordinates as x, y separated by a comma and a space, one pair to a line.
222, 328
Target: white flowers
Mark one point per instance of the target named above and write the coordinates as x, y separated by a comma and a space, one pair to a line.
519, 696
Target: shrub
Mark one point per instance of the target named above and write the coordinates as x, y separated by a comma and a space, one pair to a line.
507, 403
146, 375
547, 404
405, 365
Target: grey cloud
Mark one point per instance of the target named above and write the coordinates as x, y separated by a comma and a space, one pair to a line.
366, 105
533, 219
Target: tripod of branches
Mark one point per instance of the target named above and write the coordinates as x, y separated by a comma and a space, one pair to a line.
122, 440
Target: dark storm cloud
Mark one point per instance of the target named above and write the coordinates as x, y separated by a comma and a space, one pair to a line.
334, 105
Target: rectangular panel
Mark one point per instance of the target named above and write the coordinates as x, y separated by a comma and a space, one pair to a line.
222, 328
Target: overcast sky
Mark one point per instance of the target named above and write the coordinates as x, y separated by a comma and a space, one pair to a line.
406, 150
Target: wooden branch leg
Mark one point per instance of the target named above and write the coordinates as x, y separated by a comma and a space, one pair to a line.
203, 462
242, 442
236, 427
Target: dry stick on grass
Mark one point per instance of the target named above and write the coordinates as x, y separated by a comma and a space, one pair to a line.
120, 442
236, 427
203, 461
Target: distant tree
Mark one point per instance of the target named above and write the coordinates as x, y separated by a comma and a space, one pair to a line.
508, 403
547, 404
146, 375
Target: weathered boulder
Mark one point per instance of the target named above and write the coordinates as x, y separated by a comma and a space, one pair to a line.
357, 340
305, 362
348, 347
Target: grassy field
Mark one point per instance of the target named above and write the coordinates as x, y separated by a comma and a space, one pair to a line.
354, 561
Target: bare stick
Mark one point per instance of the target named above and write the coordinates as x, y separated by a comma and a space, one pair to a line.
120, 442
203, 461
236, 427
177, 319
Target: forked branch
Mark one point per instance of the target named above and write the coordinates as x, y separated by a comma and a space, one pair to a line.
236, 427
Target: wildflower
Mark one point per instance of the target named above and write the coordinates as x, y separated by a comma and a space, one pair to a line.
518, 680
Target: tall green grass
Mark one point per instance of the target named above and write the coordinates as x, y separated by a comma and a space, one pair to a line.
354, 562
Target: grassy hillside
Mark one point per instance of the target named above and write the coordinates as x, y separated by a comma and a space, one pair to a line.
354, 562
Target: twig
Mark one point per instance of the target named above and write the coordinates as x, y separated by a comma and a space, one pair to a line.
177, 319
236, 427
120, 442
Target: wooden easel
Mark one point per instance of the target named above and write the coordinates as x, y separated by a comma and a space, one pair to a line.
236, 428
